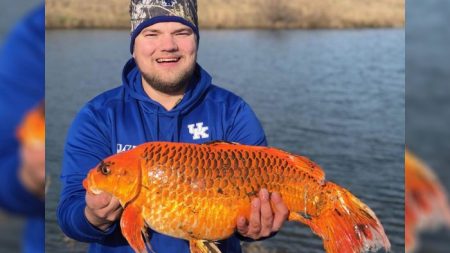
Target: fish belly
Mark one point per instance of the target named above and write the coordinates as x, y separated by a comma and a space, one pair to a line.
190, 215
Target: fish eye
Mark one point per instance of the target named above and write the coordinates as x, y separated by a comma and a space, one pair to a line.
104, 168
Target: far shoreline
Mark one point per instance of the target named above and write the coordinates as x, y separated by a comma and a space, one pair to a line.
237, 28
240, 14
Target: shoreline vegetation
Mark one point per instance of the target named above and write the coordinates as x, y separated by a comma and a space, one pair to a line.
239, 14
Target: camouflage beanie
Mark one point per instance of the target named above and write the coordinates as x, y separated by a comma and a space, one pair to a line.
145, 13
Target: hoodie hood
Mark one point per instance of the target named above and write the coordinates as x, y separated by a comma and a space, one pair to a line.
199, 84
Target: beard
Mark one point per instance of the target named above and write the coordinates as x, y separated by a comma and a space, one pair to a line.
177, 84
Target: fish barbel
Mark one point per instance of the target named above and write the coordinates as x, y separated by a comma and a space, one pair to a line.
196, 192
426, 204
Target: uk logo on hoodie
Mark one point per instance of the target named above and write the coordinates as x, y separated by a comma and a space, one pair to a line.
198, 131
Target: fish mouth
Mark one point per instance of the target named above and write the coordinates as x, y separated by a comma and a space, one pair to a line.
96, 191
89, 186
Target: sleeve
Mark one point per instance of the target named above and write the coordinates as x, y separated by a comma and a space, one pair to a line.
22, 87
246, 128
87, 143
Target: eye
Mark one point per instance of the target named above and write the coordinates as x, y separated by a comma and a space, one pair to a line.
184, 33
104, 168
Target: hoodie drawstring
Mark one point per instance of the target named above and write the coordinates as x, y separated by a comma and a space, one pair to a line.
177, 126
157, 123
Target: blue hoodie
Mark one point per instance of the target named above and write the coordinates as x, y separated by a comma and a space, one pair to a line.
124, 117
21, 88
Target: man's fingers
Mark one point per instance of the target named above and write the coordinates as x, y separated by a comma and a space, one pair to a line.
114, 214
114, 204
98, 201
255, 218
266, 213
111, 211
281, 212
242, 225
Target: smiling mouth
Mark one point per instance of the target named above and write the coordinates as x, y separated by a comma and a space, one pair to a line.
168, 60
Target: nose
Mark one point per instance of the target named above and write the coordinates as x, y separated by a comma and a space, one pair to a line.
168, 43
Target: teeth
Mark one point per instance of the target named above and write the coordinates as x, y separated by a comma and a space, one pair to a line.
167, 60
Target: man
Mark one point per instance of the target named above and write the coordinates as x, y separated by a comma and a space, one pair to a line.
165, 96
22, 88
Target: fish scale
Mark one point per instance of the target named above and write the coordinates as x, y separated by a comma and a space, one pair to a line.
197, 192
213, 186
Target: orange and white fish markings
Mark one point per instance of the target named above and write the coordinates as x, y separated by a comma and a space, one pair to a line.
196, 192
341, 200
157, 176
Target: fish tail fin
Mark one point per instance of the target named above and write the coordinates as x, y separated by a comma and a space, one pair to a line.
348, 226
424, 194
429, 202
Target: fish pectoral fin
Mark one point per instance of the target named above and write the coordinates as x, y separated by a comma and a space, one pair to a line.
132, 225
203, 246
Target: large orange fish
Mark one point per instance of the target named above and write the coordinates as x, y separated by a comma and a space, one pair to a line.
196, 192
426, 203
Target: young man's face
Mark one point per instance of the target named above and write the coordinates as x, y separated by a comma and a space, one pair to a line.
166, 53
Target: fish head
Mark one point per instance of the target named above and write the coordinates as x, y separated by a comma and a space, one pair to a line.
118, 175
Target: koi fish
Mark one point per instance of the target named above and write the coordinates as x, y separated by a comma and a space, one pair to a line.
426, 203
196, 192
32, 129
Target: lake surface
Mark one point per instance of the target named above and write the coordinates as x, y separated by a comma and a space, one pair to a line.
427, 96
334, 96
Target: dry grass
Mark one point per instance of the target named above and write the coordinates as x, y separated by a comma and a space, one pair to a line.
239, 13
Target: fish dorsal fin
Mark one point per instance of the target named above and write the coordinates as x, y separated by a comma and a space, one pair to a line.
220, 142
301, 162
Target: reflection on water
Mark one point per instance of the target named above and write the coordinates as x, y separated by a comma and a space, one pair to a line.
334, 96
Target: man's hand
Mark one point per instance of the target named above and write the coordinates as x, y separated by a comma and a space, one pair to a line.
102, 210
263, 219
32, 171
